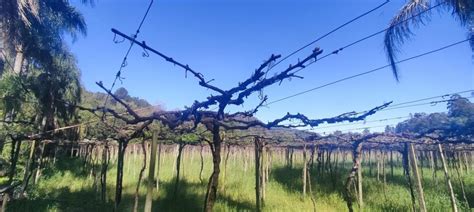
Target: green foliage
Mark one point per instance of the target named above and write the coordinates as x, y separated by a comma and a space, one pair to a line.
458, 121
48, 77
12, 94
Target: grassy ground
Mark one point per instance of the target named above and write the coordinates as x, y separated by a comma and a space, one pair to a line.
67, 186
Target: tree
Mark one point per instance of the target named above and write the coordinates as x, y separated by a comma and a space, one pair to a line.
389, 129
122, 93
33, 28
401, 30
455, 125
56, 89
461, 115
43, 70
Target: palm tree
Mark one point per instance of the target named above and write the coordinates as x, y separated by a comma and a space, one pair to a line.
26, 25
401, 30
56, 91
31, 32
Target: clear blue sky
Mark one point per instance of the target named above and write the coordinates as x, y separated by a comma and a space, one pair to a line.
227, 40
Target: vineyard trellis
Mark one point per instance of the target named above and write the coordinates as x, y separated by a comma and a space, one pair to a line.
411, 148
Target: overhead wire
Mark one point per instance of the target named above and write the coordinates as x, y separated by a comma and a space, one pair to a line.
399, 106
118, 75
366, 72
411, 101
420, 104
342, 48
369, 36
328, 33
84, 123
370, 121
382, 120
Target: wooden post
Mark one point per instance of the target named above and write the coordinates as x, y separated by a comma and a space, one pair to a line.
244, 153
6, 198
140, 176
173, 167
290, 157
269, 153
448, 180
414, 166
308, 177
263, 171
103, 172
304, 170
420, 156
39, 164
406, 170
369, 161
151, 174
466, 163
384, 154
257, 174
359, 184
431, 157
461, 181
158, 166
224, 174
178, 160
29, 166
378, 166
391, 164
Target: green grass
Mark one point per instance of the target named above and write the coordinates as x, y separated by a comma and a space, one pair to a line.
67, 186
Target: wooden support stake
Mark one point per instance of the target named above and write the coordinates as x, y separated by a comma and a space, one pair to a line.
460, 179
304, 170
406, 170
151, 174
258, 174
414, 166
158, 166
359, 184
448, 180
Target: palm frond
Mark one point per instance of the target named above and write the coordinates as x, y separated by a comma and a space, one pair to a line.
463, 11
418, 13
65, 17
28, 9
400, 30
471, 34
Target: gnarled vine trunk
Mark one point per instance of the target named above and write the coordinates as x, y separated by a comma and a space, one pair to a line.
181, 146
118, 186
14, 154
140, 176
212, 186
103, 172
356, 151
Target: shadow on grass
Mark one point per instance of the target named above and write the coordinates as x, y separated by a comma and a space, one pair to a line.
236, 204
62, 200
190, 197
187, 198
76, 166
323, 182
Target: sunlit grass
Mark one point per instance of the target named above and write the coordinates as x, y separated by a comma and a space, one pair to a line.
69, 186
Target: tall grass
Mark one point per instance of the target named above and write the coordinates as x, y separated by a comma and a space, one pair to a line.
68, 186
